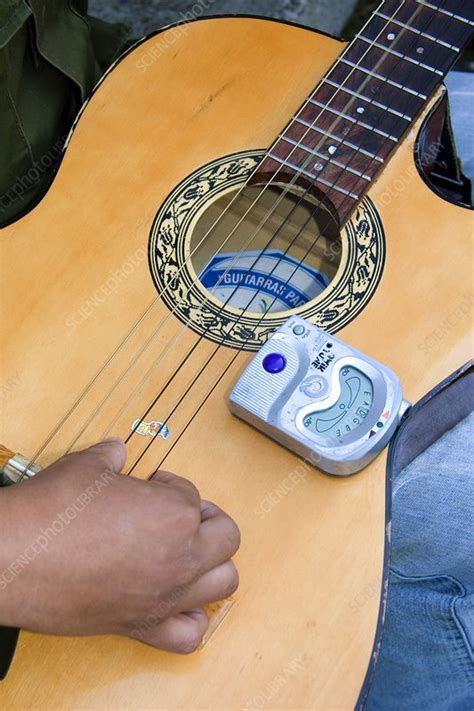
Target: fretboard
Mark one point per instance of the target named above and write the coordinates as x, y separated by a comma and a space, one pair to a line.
344, 134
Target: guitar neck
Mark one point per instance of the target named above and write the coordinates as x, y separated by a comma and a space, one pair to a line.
346, 130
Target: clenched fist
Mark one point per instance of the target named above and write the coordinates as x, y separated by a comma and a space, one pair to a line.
86, 550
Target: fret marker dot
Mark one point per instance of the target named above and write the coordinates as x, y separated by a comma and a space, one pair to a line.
360, 109
332, 150
391, 36
420, 50
318, 166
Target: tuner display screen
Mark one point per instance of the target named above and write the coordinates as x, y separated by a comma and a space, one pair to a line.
351, 409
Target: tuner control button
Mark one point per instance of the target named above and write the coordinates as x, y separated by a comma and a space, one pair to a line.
314, 387
299, 330
274, 363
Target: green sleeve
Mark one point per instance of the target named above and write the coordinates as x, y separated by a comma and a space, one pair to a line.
51, 56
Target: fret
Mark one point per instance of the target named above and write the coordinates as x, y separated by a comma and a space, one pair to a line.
317, 178
422, 18
354, 120
373, 43
443, 11
341, 141
331, 161
375, 64
418, 17
376, 89
375, 75
379, 104
426, 35
306, 133
413, 47
361, 110
344, 133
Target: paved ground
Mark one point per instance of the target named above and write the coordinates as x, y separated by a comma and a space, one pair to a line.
144, 16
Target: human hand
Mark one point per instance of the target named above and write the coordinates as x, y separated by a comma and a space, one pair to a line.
86, 550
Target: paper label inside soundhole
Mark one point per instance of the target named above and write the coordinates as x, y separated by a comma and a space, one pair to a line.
262, 283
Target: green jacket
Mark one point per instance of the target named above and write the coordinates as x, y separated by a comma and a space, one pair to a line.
51, 55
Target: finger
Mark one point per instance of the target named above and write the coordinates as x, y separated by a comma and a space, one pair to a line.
216, 584
179, 483
182, 633
109, 455
115, 452
208, 510
218, 538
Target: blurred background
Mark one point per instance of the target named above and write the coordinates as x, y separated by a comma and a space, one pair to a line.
342, 18
144, 16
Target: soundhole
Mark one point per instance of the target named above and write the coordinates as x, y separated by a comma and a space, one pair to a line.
262, 249
197, 233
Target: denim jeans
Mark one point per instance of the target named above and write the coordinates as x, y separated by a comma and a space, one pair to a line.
426, 659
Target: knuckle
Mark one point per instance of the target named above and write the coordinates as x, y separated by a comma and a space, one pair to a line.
193, 491
186, 513
186, 568
189, 514
184, 487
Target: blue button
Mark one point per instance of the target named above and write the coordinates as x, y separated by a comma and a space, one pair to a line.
274, 363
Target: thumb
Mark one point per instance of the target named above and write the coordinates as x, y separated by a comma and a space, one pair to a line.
115, 452
111, 452
107, 456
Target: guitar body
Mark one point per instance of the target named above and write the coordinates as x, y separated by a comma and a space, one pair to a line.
76, 278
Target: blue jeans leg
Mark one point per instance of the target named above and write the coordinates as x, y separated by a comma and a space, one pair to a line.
426, 660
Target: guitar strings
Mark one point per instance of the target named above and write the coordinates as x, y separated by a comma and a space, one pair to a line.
156, 362
179, 333
192, 349
190, 421
157, 298
296, 176
144, 379
167, 419
164, 353
119, 347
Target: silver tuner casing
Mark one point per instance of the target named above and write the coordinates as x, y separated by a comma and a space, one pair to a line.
297, 375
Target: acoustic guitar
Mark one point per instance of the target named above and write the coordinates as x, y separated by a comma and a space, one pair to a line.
206, 139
